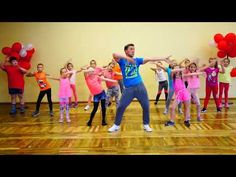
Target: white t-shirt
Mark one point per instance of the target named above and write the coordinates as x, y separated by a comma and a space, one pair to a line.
160, 75
73, 77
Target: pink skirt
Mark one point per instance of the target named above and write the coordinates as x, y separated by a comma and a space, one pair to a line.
182, 95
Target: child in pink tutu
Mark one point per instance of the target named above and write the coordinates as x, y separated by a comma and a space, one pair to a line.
64, 93
70, 69
182, 95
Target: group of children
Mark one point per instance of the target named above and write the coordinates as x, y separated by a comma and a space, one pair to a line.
183, 82
93, 76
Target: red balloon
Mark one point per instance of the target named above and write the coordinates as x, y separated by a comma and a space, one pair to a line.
16, 47
229, 48
221, 54
233, 72
6, 51
230, 37
222, 45
218, 37
25, 65
231, 45
14, 54
28, 56
32, 50
232, 53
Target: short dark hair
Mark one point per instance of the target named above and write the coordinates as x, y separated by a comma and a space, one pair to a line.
12, 58
111, 63
227, 59
127, 46
69, 64
213, 58
61, 70
92, 61
40, 64
193, 63
187, 60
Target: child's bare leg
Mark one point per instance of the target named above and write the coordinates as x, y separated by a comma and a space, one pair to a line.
13, 104
22, 107
187, 110
172, 113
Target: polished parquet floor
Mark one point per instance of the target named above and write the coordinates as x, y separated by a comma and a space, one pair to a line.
22, 134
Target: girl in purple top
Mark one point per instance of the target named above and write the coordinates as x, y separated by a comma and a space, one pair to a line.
212, 72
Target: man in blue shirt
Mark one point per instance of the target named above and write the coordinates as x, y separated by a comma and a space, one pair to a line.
134, 87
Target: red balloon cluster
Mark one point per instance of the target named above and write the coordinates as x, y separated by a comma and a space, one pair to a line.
226, 45
233, 72
22, 54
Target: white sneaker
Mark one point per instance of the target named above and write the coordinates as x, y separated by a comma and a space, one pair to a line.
61, 120
68, 120
147, 128
226, 105
86, 107
165, 112
180, 111
114, 128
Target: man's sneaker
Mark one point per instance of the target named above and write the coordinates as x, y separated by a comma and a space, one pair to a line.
180, 111
169, 123
86, 107
203, 110
147, 128
187, 123
51, 114
165, 112
35, 113
218, 110
114, 128
199, 119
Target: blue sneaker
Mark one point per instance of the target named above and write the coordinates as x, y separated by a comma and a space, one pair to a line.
22, 110
13, 109
169, 123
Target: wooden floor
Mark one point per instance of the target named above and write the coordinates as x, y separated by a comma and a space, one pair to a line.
27, 135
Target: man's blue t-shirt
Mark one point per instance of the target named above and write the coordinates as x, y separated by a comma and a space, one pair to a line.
130, 71
168, 70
